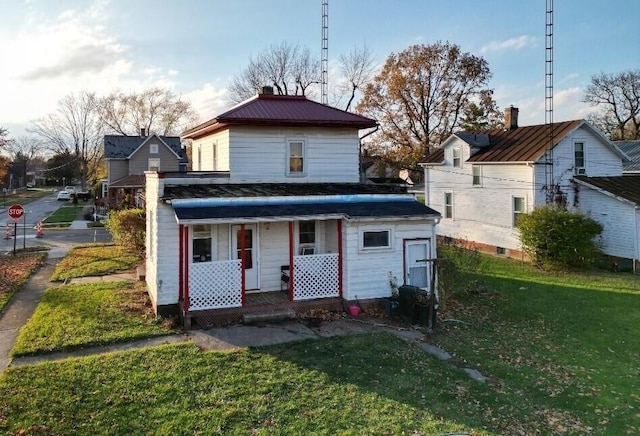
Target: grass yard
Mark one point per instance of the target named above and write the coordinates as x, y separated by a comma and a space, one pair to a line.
15, 271
77, 316
563, 352
94, 260
64, 215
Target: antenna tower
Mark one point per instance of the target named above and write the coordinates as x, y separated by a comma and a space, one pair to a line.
324, 63
548, 103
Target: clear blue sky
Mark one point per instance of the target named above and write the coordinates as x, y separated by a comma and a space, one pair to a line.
52, 48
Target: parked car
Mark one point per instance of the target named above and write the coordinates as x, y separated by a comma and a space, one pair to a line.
64, 196
70, 189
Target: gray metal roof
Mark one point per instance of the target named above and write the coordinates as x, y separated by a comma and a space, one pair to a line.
631, 149
121, 147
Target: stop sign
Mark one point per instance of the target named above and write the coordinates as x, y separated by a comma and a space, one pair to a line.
15, 211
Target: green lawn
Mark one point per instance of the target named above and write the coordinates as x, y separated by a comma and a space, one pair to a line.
77, 316
94, 260
562, 351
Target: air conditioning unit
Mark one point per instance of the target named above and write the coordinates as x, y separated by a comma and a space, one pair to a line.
580, 171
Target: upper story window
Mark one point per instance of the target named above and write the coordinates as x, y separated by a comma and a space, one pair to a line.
199, 165
215, 156
307, 237
153, 148
154, 164
457, 157
295, 158
448, 204
518, 209
579, 157
477, 175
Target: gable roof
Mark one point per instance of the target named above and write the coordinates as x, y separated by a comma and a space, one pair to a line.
281, 111
631, 149
517, 145
626, 187
122, 147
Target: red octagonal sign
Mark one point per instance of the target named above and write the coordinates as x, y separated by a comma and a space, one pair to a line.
16, 211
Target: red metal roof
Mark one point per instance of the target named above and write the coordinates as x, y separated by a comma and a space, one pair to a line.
522, 144
281, 111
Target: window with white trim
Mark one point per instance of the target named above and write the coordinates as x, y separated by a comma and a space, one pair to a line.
215, 156
375, 239
153, 148
457, 157
201, 238
154, 164
519, 209
477, 175
579, 157
448, 204
295, 158
307, 237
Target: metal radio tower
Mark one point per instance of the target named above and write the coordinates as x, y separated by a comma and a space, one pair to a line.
548, 110
324, 63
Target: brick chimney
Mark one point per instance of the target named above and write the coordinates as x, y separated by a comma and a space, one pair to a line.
511, 118
266, 90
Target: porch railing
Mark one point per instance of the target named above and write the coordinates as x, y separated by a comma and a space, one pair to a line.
215, 285
315, 276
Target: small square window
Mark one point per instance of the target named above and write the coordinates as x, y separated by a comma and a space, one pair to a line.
501, 251
153, 148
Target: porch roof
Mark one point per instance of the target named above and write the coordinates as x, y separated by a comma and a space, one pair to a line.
337, 208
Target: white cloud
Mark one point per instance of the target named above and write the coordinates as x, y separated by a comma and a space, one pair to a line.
208, 101
517, 43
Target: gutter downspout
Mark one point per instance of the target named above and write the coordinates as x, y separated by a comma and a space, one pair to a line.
360, 171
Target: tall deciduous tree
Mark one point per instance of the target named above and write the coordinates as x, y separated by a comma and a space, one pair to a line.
290, 69
75, 129
4, 162
419, 98
618, 98
357, 68
156, 110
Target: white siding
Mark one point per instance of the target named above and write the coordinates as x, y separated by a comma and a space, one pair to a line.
618, 218
274, 252
151, 238
206, 145
259, 154
480, 213
366, 274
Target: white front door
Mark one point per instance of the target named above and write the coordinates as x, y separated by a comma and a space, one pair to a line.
250, 253
417, 268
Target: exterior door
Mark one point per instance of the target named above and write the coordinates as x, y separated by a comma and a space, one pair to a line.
250, 253
417, 264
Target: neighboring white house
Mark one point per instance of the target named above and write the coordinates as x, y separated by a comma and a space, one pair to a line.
274, 209
482, 181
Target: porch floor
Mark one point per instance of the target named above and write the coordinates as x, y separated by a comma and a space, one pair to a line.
259, 302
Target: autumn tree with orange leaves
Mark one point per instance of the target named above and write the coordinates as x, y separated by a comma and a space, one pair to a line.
420, 97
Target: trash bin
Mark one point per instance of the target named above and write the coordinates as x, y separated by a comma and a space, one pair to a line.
417, 305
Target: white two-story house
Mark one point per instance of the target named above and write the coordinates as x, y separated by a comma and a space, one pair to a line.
482, 181
274, 211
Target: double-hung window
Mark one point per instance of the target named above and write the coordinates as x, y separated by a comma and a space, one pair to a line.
477, 175
579, 157
201, 243
153, 148
295, 158
518, 209
457, 157
448, 204
154, 164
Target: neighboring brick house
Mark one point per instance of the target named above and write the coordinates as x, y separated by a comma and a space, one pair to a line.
274, 217
128, 157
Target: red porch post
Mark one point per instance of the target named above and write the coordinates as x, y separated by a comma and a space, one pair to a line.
242, 264
340, 258
185, 263
291, 248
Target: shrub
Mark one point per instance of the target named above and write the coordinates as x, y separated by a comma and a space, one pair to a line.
127, 228
559, 239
